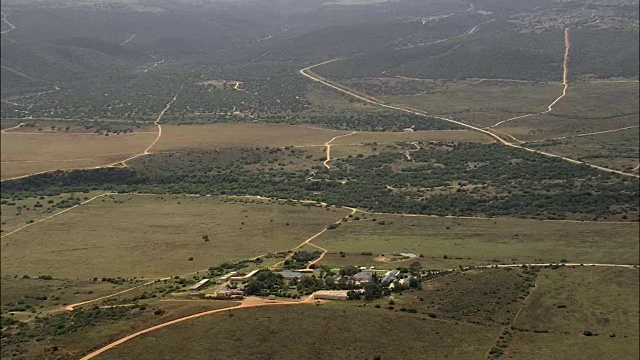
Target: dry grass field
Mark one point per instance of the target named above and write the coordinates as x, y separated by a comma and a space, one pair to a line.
214, 136
328, 331
54, 294
479, 102
19, 212
481, 242
24, 154
156, 236
569, 301
618, 150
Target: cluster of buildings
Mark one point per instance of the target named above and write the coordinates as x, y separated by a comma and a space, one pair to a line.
389, 280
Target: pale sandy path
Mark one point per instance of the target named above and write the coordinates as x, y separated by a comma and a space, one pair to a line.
157, 123
626, 266
586, 134
121, 163
250, 302
565, 83
308, 241
258, 302
11, 128
73, 306
54, 215
129, 39
306, 72
328, 145
4, 18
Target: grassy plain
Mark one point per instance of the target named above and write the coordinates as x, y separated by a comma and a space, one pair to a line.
19, 212
484, 241
568, 301
489, 296
618, 150
58, 292
23, 154
328, 331
155, 236
478, 101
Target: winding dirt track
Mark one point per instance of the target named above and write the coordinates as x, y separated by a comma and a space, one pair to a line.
129, 39
156, 123
247, 303
306, 72
11, 128
328, 145
121, 163
54, 215
586, 134
4, 18
565, 83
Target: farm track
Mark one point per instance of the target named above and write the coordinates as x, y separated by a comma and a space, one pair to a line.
586, 134
121, 163
250, 302
328, 146
129, 39
4, 18
11, 128
156, 123
306, 72
54, 215
565, 83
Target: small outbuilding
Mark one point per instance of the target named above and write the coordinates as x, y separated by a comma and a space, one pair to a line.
390, 277
331, 295
199, 285
290, 275
362, 277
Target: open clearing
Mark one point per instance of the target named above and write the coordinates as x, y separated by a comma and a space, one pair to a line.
348, 335
480, 241
19, 212
24, 154
154, 236
214, 136
567, 302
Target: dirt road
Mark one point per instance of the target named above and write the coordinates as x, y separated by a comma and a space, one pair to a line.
4, 18
626, 266
11, 128
54, 215
586, 134
565, 84
306, 72
250, 302
129, 39
121, 163
328, 145
156, 123
276, 265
